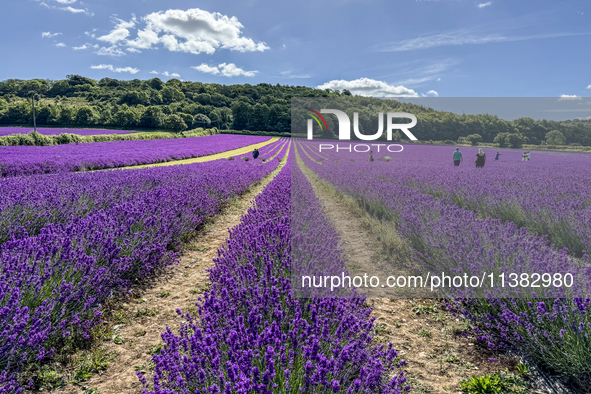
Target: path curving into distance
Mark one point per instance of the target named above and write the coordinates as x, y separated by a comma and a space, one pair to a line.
201, 159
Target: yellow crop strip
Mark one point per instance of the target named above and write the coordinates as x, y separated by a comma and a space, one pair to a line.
201, 159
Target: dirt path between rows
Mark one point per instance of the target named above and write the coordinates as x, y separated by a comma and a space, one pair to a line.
145, 315
431, 339
201, 159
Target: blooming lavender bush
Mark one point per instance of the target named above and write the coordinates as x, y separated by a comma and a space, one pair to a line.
253, 336
70, 241
26, 160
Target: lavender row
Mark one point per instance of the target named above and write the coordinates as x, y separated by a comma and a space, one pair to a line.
115, 227
551, 332
27, 160
51, 131
549, 194
444, 235
253, 336
264, 152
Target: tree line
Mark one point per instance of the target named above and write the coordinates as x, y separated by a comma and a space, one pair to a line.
176, 105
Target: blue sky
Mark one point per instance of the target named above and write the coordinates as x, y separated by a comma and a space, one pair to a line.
446, 48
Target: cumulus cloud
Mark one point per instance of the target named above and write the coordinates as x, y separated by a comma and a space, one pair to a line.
589, 87
192, 31
432, 93
120, 32
369, 87
60, 45
154, 72
482, 5
48, 34
224, 69
110, 67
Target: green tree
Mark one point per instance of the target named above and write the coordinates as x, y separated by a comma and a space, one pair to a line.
152, 117
174, 123
85, 116
555, 137
171, 95
201, 120
474, 139
241, 112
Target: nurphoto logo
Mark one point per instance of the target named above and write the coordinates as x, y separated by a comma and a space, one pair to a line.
345, 124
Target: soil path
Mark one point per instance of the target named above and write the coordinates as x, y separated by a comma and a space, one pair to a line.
145, 315
201, 159
424, 333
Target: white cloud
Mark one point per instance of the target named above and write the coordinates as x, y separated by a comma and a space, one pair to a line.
48, 34
60, 45
589, 87
154, 72
226, 70
80, 48
460, 38
569, 97
75, 10
194, 31
432, 93
167, 74
110, 51
120, 32
61, 5
289, 74
204, 68
482, 5
133, 50
116, 70
369, 87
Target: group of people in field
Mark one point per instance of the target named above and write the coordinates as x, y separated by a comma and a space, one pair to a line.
481, 157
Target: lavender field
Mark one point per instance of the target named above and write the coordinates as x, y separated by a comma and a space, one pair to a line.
52, 131
509, 216
27, 160
72, 241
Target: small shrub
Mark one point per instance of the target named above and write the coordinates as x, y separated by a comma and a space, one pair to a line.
146, 312
502, 382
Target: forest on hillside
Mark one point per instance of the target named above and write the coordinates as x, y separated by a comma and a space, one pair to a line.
176, 105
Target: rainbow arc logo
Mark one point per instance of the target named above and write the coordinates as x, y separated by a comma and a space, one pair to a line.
315, 114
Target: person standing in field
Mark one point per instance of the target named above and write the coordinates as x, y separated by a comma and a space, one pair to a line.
457, 155
497, 156
528, 155
524, 156
255, 153
480, 158
370, 155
